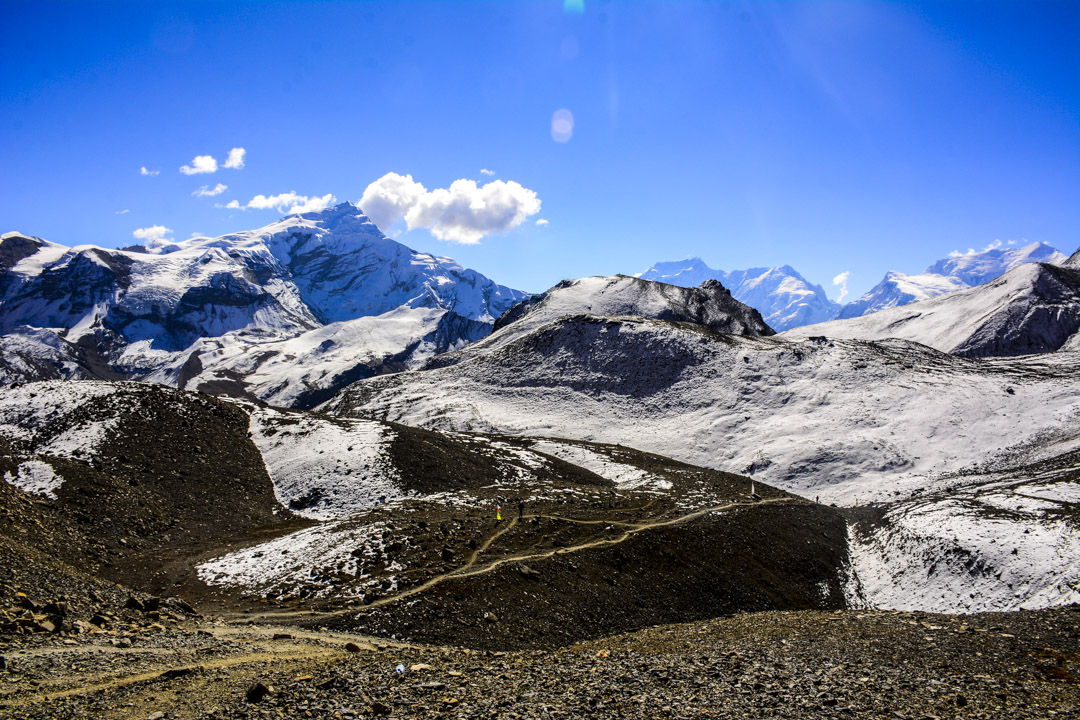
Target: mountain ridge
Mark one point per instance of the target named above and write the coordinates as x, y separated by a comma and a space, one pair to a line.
1032, 308
224, 305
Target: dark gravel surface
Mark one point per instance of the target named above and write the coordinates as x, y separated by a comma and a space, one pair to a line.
851, 664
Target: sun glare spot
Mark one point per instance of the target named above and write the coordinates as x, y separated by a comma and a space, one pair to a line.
562, 125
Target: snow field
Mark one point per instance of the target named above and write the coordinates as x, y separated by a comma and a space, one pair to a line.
954, 556
300, 559
325, 469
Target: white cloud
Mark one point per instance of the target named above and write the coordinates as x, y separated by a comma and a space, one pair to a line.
841, 282
122, 212
235, 161
387, 199
464, 212
485, 171
562, 125
152, 233
144, 171
206, 191
288, 203
196, 235
202, 164
541, 222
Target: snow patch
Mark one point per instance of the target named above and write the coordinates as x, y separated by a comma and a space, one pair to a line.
281, 566
325, 468
36, 477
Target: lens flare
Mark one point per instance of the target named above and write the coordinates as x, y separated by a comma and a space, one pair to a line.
562, 125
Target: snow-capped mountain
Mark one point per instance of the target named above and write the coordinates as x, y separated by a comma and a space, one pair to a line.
783, 297
1033, 308
976, 268
709, 304
898, 289
303, 305
958, 271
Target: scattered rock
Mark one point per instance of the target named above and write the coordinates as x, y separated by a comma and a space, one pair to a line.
258, 692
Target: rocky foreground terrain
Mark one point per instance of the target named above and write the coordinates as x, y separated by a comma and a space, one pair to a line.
168, 663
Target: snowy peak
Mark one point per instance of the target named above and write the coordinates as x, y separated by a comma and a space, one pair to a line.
1033, 308
976, 268
344, 267
956, 272
710, 304
899, 289
684, 273
783, 297
1073, 261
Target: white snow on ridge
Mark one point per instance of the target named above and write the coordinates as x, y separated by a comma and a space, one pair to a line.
307, 287
324, 468
625, 477
36, 477
28, 410
280, 369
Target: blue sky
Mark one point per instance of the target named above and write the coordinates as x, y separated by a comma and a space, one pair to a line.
831, 136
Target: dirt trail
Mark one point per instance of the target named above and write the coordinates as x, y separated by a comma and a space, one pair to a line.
292, 652
469, 569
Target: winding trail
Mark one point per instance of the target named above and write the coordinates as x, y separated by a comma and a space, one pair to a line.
470, 569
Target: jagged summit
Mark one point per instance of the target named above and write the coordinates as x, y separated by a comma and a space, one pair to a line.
709, 304
783, 296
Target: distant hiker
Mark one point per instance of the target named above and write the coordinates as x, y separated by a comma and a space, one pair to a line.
498, 511
521, 508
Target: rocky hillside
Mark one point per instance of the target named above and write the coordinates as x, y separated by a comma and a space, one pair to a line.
385, 527
1034, 308
709, 306
285, 313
